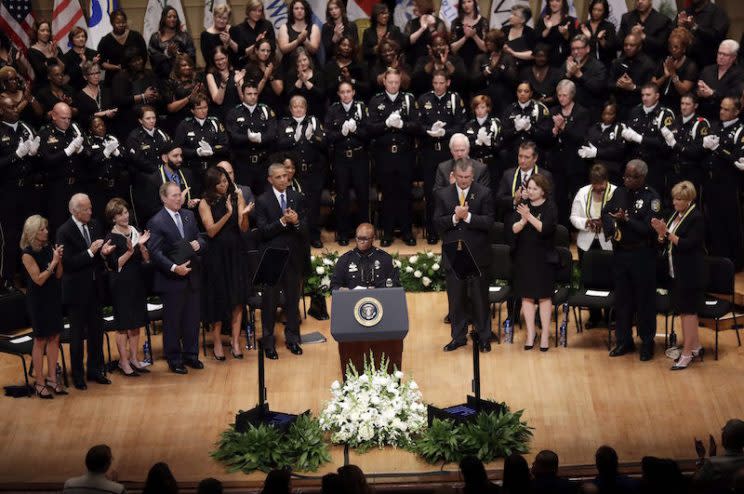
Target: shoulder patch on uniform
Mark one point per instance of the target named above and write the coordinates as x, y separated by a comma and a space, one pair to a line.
656, 205
668, 121
704, 131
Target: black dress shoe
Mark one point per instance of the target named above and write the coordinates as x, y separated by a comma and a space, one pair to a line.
411, 241
295, 348
484, 347
386, 242
194, 363
454, 345
178, 368
343, 241
80, 385
647, 353
271, 354
316, 243
620, 350
99, 378
432, 239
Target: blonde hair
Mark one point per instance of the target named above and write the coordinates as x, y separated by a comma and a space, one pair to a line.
31, 228
221, 9
253, 4
684, 190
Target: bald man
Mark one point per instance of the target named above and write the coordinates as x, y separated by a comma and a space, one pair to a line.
366, 266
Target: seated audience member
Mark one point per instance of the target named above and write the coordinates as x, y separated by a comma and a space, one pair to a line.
331, 484
98, 479
517, 477
278, 482
661, 476
719, 471
353, 480
476, 478
608, 479
160, 480
169, 41
545, 471
209, 486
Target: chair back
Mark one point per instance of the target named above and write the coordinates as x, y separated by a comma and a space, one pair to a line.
596, 270
501, 262
565, 266
721, 274
561, 237
496, 233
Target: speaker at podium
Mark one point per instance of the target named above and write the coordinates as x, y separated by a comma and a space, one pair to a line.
373, 320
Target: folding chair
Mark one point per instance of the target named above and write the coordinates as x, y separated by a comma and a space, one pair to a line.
597, 288
501, 269
720, 283
563, 284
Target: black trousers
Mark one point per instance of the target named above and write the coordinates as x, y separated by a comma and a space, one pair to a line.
394, 174
289, 284
181, 324
86, 323
430, 159
635, 294
351, 174
312, 188
472, 294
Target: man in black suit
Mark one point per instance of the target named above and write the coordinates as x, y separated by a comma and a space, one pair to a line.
281, 224
464, 211
651, 26
459, 146
513, 184
82, 240
175, 248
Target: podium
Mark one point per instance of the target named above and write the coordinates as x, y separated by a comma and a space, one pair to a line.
373, 320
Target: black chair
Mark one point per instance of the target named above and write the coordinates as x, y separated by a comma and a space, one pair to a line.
501, 272
562, 238
664, 307
720, 284
597, 288
563, 284
496, 234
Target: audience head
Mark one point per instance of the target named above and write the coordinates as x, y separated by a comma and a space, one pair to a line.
227, 166
546, 461
9, 79
35, 232
538, 187
598, 178
91, 73
133, 60
423, 7
631, 45
80, 207
588, 488
494, 40
527, 155
353, 480
683, 194
220, 16
728, 50
264, 53
609, 112
459, 146
732, 436
170, 195
365, 236
42, 32
649, 94
481, 105
171, 154
346, 48
119, 21
335, 10
599, 10
220, 59
209, 486
277, 482
160, 480
303, 62
55, 73
678, 42
467, 7
98, 459
380, 14
117, 212
541, 54
688, 104
250, 93
277, 176
730, 108
169, 20
516, 474
289, 160
643, 6
555, 7
565, 92
147, 117
216, 184
8, 110
298, 106
605, 459
440, 82
520, 14
473, 473
299, 10
183, 68
254, 11
346, 92
391, 80
661, 475
635, 174
579, 47
199, 104
524, 92
77, 37
463, 172
331, 482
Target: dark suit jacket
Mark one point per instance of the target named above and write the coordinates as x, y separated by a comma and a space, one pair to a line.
274, 234
164, 235
81, 271
504, 195
480, 174
688, 256
475, 233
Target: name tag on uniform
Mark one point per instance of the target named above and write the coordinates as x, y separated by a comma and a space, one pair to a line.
95, 146
288, 130
52, 140
353, 268
145, 146
241, 119
191, 134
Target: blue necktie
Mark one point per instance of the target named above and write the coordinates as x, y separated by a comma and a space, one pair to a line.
179, 224
282, 202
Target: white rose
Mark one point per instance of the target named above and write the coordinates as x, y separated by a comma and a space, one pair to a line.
320, 270
413, 385
435, 267
417, 273
429, 254
335, 385
327, 262
397, 263
398, 374
409, 269
326, 281
312, 258
413, 259
426, 281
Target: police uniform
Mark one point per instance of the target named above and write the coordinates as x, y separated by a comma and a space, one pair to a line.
143, 157
394, 157
110, 174
189, 133
688, 153
449, 109
634, 263
653, 148
611, 148
372, 268
540, 129
482, 151
350, 161
249, 158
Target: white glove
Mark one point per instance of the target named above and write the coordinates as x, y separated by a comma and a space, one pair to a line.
345, 128
393, 119
79, 143
352, 125
588, 152
309, 131
75, 146
483, 138
390, 119
519, 123
204, 149
436, 132
110, 147
631, 135
739, 164
711, 142
33, 145
668, 136
254, 137
438, 125
22, 149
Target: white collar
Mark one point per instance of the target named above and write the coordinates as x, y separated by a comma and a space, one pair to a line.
277, 194
687, 119
347, 106
250, 108
649, 109
729, 123
464, 191
392, 96
79, 223
528, 173
298, 120
439, 97
481, 121
524, 105
200, 121
172, 213
151, 133
13, 126
603, 126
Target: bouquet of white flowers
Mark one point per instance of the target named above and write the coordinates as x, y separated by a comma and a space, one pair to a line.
321, 267
421, 272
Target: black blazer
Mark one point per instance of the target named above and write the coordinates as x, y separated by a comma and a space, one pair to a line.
505, 192
82, 273
475, 233
688, 256
274, 234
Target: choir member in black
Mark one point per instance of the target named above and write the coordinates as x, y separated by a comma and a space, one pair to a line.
298, 32
223, 84
419, 29
541, 75
685, 138
721, 202
43, 51
626, 218
651, 26
484, 134
252, 130
643, 134
77, 56
381, 28
600, 32
494, 73
252, 30
605, 144
628, 73
224, 215
13, 86
440, 58
11, 56
709, 25
266, 71
82, 239
464, 212
18, 194
303, 134
127, 269
682, 238
113, 46
589, 75
532, 226
143, 157
202, 139
171, 170
525, 120
389, 55
94, 100
281, 222
43, 271
441, 115
61, 143
132, 88
365, 266
520, 38
723, 78
346, 133
513, 184
344, 67
183, 85
556, 29
168, 41
56, 91
336, 27
218, 36
105, 167
393, 123
677, 74
305, 80
468, 32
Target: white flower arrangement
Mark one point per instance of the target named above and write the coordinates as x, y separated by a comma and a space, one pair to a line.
422, 272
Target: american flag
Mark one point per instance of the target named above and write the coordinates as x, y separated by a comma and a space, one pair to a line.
16, 21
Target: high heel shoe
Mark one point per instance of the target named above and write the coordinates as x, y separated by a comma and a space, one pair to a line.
683, 363
545, 348
698, 354
531, 345
43, 391
135, 365
132, 372
57, 388
238, 356
219, 358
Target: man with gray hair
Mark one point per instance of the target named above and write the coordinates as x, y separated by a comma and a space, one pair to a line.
721, 79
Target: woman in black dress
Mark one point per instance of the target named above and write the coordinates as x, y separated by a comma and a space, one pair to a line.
298, 32
520, 38
390, 55
468, 32
93, 100
344, 67
677, 74
600, 32
683, 240
535, 258
56, 91
168, 41
113, 46
494, 73
268, 73
126, 265
337, 27
223, 83
218, 36
77, 56
380, 29
183, 84
418, 30
542, 76
307, 81
224, 216
43, 51
556, 29
43, 265
133, 88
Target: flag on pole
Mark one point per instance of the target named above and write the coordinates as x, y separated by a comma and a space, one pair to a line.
617, 9
99, 23
501, 11
154, 11
666, 7
209, 6
402, 13
448, 12
66, 15
359, 9
16, 21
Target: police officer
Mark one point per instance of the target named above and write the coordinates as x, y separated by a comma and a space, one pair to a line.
441, 115
202, 139
303, 134
626, 218
605, 144
685, 139
104, 156
525, 120
643, 134
346, 133
18, 146
252, 130
366, 266
393, 122
485, 136
61, 143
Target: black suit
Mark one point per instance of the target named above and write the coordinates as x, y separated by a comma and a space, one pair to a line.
688, 262
294, 239
510, 183
81, 297
475, 234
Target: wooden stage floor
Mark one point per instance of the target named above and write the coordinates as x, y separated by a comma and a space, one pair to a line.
576, 399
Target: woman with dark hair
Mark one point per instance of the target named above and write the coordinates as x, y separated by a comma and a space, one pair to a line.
133, 87
605, 144
304, 80
389, 55
468, 32
126, 269
440, 58
93, 100
253, 29
495, 72
343, 67
42, 51
77, 56
475, 477
520, 38
600, 32
381, 28
517, 478
223, 83
224, 215
353, 480
218, 36
13, 86
268, 74
556, 29
113, 46
677, 74
542, 75
167, 42
278, 482
183, 84
525, 120
298, 32
56, 91
421, 27
160, 480
337, 27
331, 484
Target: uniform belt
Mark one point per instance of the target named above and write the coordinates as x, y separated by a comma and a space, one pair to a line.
394, 148
69, 180
437, 145
349, 153
106, 182
255, 158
